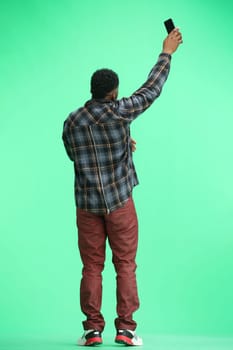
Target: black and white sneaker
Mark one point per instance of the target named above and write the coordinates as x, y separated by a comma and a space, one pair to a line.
128, 337
90, 337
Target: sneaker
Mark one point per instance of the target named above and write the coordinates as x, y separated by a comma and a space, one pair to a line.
90, 338
127, 337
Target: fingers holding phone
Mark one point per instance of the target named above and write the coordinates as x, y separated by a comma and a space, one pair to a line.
174, 38
176, 35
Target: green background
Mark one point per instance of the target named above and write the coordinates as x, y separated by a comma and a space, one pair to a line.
48, 51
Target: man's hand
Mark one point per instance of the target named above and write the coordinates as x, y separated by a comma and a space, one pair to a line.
172, 41
133, 145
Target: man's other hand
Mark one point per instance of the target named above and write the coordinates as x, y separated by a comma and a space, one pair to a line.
133, 145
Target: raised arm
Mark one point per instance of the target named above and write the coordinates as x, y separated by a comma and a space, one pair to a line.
129, 108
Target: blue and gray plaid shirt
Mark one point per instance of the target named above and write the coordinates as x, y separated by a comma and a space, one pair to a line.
97, 140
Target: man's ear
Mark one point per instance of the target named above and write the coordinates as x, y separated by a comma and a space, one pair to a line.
115, 94
112, 95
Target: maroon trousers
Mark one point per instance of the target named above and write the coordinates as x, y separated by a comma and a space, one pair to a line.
121, 229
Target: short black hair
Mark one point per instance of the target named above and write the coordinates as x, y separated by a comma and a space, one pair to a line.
102, 82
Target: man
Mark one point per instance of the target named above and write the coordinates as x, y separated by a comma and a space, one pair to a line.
97, 139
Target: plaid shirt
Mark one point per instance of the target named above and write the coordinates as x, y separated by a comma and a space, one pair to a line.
97, 140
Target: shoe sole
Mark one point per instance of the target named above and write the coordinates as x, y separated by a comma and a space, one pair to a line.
93, 342
121, 339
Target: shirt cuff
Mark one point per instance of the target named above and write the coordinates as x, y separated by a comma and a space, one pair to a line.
166, 55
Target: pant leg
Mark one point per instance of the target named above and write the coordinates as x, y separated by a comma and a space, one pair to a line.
91, 242
122, 231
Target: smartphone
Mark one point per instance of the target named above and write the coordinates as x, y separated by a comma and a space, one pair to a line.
169, 24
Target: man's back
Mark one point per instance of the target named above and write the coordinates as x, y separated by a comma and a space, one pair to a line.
98, 141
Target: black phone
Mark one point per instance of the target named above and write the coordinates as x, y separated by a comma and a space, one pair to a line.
169, 24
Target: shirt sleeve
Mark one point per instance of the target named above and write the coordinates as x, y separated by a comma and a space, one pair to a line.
129, 108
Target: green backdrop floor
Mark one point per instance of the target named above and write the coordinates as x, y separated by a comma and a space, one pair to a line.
150, 342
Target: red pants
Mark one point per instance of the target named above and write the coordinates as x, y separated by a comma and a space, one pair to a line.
121, 229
